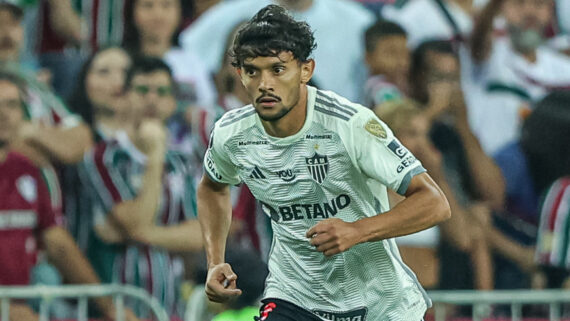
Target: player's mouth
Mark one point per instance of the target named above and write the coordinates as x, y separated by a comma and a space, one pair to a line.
268, 101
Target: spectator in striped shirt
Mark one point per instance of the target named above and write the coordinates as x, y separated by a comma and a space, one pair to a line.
53, 133
146, 191
100, 100
28, 216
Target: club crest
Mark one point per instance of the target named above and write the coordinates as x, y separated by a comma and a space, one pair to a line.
318, 166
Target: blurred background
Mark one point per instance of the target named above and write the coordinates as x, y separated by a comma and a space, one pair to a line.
106, 108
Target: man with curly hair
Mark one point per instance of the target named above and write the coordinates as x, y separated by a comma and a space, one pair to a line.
320, 165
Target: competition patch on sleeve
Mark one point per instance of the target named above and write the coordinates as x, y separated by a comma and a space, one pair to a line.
398, 149
375, 128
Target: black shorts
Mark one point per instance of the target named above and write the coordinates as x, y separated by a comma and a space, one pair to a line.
279, 310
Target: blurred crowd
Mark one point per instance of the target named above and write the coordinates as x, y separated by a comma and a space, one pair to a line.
106, 108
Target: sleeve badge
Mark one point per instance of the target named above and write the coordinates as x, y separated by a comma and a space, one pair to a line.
375, 128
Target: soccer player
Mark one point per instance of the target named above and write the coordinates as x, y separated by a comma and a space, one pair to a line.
321, 166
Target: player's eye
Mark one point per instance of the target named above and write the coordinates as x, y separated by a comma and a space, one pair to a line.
278, 69
250, 72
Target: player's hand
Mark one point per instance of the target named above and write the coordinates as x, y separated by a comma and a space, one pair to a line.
333, 236
221, 283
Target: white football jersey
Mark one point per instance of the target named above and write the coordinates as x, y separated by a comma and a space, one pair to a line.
338, 165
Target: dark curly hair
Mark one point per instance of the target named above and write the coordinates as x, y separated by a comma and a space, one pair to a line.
271, 31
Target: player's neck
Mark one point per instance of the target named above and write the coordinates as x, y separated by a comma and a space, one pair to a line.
291, 123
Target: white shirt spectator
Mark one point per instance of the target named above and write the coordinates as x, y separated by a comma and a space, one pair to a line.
498, 91
424, 20
339, 27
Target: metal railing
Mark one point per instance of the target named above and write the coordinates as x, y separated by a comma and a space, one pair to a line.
80, 292
483, 300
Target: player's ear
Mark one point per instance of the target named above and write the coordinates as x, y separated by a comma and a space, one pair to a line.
307, 69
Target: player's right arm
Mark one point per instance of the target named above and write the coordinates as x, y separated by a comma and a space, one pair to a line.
215, 215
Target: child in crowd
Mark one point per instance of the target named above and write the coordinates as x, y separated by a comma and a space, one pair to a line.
388, 60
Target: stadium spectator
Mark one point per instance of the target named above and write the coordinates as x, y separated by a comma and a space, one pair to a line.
30, 217
334, 22
388, 60
476, 180
100, 100
67, 32
99, 93
152, 28
531, 168
146, 191
52, 132
464, 231
505, 74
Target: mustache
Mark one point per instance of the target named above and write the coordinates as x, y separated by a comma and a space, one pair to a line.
267, 95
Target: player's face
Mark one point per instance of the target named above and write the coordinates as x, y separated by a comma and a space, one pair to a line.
10, 112
11, 36
274, 83
157, 19
152, 95
106, 79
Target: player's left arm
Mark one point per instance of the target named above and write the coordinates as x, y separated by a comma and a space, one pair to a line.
425, 205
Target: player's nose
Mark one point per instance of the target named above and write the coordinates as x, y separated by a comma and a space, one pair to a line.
266, 82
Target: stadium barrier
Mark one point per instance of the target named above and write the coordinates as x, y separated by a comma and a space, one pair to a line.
80, 292
482, 302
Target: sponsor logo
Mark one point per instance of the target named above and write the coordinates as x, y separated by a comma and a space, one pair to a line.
253, 142
318, 166
212, 167
398, 149
256, 174
286, 175
326, 136
375, 128
306, 211
406, 162
353, 315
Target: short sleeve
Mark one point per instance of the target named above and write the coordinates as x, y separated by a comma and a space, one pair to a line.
379, 155
217, 163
